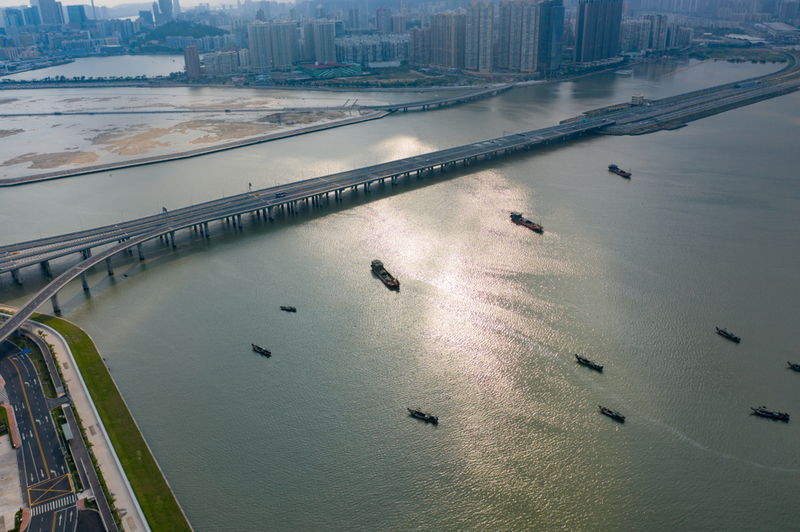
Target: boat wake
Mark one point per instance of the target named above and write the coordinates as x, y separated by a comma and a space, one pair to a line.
725, 456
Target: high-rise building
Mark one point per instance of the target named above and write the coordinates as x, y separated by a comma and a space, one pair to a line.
658, 32
551, 36
383, 19
176, 7
419, 46
356, 19
479, 40
634, 35
520, 36
32, 16
192, 61
447, 32
50, 11
529, 38
13, 18
146, 19
398, 24
273, 45
166, 10
678, 36
244, 58
318, 41
77, 16
597, 33
221, 63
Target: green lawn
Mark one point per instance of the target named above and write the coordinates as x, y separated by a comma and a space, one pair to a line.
154, 495
3, 421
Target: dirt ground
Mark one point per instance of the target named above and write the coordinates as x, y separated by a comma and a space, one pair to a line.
10, 490
52, 160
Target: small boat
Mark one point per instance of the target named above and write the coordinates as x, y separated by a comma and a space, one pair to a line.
772, 414
614, 169
386, 278
588, 363
518, 219
419, 414
794, 366
288, 309
261, 351
725, 333
613, 414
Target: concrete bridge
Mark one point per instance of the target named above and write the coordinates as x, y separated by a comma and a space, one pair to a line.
286, 199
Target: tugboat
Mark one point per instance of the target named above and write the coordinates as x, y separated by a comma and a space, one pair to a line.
614, 169
419, 414
613, 414
261, 351
725, 333
387, 278
763, 412
518, 219
588, 363
794, 366
288, 309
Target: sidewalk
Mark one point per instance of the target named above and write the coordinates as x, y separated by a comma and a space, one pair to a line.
124, 500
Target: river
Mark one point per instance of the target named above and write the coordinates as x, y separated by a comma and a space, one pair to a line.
634, 274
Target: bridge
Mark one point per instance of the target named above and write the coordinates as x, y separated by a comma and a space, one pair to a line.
315, 192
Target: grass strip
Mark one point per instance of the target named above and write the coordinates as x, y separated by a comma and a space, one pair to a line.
152, 491
3, 422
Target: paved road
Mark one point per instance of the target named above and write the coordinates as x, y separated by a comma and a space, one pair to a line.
49, 490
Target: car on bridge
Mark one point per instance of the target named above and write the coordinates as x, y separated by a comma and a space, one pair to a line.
280, 195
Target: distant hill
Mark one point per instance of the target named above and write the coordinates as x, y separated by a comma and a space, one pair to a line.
182, 29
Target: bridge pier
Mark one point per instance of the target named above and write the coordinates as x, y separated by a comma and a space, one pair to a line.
139, 249
172, 238
84, 282
15, 276
45, 264
205, 229
109, 267
239, 220
86, 253
56, 307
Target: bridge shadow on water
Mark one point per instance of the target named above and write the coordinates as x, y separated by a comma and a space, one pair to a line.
191, 243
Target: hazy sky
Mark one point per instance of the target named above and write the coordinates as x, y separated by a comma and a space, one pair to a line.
109, 3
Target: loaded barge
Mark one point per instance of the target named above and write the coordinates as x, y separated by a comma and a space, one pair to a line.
725, 333
386, 278
261, 351
614, 169
518, 219
583, 361
419, 414
613, 414
772, 414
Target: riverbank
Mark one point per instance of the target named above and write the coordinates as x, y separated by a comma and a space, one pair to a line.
142, 496
143, 161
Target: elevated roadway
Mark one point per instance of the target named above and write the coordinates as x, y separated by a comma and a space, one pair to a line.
102, 243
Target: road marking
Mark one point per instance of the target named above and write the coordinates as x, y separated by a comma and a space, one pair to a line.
25, 396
